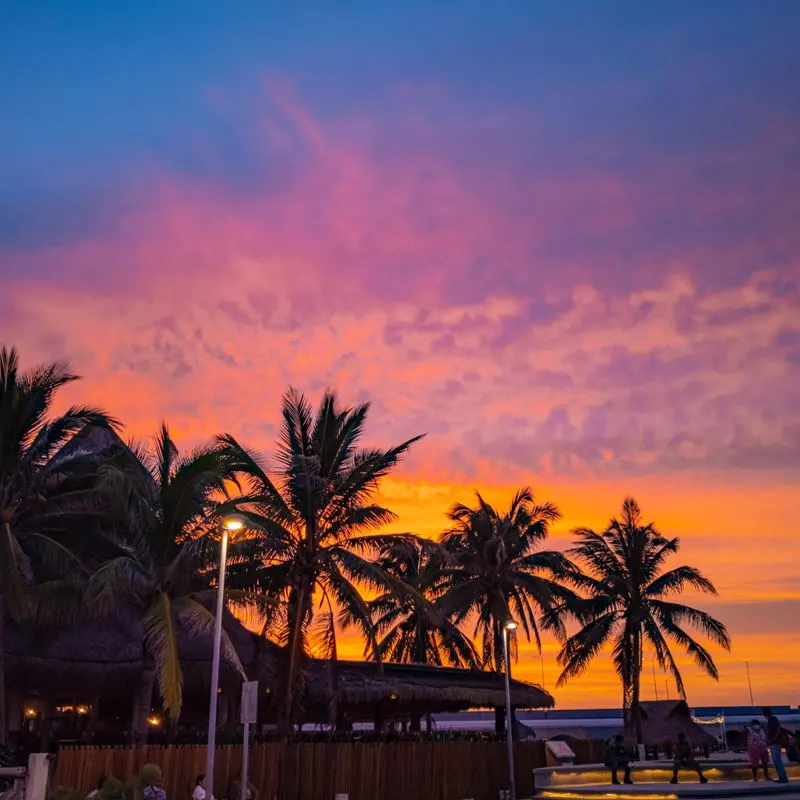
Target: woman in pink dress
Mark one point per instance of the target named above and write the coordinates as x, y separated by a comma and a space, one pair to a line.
757, 749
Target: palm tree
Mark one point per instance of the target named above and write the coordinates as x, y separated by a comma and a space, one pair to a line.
412, 629
496, 572
38, 501
159, 561
316, 524
628, 604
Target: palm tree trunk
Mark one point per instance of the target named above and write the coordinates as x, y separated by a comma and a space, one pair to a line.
3, 698
636, 685
295, 645
142, 703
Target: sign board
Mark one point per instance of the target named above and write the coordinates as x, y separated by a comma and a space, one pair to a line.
249, 702
559, 753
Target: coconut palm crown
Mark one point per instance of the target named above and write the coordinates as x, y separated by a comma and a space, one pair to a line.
159, 559
411, 627
39, 503
498, 572
317, 526
630, 602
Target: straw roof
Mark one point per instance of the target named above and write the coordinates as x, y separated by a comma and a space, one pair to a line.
106, 655
663, 720
361, 686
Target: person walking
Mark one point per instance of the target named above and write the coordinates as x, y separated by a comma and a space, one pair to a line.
757, 751
775, 743
684, 759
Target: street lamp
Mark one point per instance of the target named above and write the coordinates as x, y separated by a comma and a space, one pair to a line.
540, 656
509, 626
749, 682
230, 524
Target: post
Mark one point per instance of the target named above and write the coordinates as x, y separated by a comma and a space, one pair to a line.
509, 721
749, 683
212, 710
244, 781
249, 716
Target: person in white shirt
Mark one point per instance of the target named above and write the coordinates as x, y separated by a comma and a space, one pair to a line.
199, 792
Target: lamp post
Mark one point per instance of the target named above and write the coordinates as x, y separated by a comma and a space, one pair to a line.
509, 626
749, 682
229, 525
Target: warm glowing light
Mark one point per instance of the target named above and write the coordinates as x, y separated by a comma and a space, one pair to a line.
510, 625
31, 713
154, 721
233, 523
82, 710
607, 796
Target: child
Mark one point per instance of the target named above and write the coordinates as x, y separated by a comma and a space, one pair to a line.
757, 749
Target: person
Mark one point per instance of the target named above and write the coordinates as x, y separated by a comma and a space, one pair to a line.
775, 742
792, 750
618, 755
684, 759
235, 789
199, 792
757, 749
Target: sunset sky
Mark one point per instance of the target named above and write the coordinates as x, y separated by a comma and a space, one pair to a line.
561, 238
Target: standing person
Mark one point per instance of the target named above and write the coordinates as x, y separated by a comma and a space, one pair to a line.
757, 749
684, 758
199, 792
775, 742
235, 789
618, 755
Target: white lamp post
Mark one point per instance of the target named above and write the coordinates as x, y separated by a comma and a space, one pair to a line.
229, 525
509, 626
749, 682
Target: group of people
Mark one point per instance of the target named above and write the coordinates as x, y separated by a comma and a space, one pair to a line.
763, 741
620, 756
234, 790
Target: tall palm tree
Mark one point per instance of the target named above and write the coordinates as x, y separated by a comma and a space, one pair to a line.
159, 559
629, 603
38, 501
317, 524
496, 572
412, 629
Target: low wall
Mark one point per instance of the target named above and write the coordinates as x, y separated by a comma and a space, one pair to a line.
299, 771
645, 772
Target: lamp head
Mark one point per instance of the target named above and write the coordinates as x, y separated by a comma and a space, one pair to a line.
510, 625
233, 522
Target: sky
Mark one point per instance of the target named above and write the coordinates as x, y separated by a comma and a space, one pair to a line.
560, 238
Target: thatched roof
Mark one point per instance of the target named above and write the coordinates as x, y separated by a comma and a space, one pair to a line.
663, 720
106, 655
361, 686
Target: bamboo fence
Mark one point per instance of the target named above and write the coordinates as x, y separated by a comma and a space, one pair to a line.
318, 771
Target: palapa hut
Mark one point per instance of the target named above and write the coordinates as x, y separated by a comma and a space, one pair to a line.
88, 677
366, 691
663, 720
